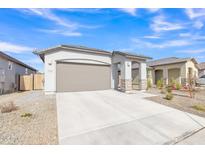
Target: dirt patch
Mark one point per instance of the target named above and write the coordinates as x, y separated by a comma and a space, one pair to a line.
183, 103
40, 127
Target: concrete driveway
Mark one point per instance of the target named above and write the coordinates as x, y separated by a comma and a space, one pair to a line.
112, 117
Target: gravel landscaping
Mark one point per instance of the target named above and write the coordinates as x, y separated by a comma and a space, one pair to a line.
34, 121
182, 101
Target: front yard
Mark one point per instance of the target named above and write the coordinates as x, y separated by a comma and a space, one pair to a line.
181, 100
33, 122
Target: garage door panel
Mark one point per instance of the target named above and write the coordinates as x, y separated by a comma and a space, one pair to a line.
82, 77
174, 74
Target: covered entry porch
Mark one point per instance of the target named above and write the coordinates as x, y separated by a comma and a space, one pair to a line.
129, 71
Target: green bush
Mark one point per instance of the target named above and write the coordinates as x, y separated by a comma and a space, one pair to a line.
169, 96
169, 89
178, 86
199, 107
160, 84
149, 84
26, 115
173, 82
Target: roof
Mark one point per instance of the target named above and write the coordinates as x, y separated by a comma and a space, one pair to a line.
130, 55
201, 66
72, 47
2, 54
170, 60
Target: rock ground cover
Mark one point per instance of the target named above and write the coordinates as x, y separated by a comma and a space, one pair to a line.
181, 101
40, 127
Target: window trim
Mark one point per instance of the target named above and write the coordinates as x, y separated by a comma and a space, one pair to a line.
10, 65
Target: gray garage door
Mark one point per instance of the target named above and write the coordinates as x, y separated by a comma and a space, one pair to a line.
82, 77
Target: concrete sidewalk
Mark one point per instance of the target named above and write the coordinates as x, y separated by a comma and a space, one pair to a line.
197, 138
112, 117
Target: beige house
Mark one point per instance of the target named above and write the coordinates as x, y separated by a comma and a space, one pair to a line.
172, 68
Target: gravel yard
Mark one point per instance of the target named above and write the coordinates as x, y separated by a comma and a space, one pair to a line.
181, 100
40, 128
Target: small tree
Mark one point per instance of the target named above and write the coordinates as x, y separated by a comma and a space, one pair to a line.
160, 84
149, 84
191, 84
178, 86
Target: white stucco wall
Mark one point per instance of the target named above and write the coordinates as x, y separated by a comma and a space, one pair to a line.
72, 56
143, 71
193, 66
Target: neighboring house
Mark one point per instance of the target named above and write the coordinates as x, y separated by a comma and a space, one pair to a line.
77, 68
201, 67
10, 69
169, 69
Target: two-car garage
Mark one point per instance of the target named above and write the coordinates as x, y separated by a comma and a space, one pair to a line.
72, 77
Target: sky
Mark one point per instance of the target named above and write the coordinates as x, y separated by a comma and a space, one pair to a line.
157, 33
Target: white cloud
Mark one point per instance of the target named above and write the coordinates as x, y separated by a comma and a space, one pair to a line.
185, 34
48, 14
195, 13
166, 44
198, 24
197, 16
131, 11
82, 10
13, 48
159, 24
152, 37
61, 32
65, 26
153, 10
194, 51
196, 37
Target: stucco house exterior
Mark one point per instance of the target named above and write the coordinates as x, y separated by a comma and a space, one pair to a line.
172, 68
201, 67
10, 69
71, 68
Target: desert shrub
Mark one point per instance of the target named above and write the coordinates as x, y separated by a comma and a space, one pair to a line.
8, 107
178, 86
199, 107
173, 82
169, 89
26, 115
149, 84
160, 84
169, 96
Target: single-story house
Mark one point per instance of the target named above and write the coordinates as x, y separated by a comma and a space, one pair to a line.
172, 68
10, 69
201, 67
71, 68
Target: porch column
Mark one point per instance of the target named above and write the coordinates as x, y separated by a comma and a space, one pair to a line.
165, 76
126, 75
143, 75
114, 76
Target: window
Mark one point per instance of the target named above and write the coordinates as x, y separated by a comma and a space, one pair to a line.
26, 70
10, 65
203, 76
